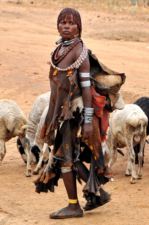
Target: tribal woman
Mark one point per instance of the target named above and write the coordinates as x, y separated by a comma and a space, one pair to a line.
76, 121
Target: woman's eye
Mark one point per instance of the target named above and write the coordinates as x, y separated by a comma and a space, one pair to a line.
69, 22
62, 22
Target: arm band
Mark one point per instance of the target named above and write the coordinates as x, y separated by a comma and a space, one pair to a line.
66, 169
84, 75
86, 83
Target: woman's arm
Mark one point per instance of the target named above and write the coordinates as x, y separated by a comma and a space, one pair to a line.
84, 79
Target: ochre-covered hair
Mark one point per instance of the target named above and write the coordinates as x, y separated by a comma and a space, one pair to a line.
76, 17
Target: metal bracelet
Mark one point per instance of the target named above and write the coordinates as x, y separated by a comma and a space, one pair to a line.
66, 169
84, 75
88, 114
88, 119
86, 83
88, 110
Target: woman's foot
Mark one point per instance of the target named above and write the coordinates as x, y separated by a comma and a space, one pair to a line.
70, 211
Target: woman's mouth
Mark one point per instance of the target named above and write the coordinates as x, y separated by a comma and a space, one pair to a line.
66, 32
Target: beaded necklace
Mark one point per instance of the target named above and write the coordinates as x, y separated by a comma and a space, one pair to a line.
74, 65
57, 57
65, 43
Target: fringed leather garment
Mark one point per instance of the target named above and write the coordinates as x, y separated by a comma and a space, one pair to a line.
68, 147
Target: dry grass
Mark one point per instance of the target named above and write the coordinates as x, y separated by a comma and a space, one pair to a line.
112, 5
106, 19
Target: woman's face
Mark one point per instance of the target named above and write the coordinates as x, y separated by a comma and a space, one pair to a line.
67, 28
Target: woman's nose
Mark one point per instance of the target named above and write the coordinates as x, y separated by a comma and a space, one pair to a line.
66, 25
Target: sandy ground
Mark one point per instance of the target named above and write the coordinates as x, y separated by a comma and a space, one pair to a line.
27, 36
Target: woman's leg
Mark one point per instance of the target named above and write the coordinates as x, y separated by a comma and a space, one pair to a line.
73, 209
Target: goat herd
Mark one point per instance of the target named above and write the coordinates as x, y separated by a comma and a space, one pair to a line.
128, 127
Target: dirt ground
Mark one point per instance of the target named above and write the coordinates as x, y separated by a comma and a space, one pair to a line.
27, 35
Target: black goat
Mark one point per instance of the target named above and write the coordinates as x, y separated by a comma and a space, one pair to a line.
143, 102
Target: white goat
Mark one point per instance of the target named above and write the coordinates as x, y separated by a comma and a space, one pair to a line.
38, 107
32, 134
13, 123
127, 127
39, 142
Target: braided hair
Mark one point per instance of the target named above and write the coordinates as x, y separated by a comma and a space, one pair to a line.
76, 17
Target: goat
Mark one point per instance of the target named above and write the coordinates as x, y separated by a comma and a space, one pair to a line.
127, 127
13, 123
143, 103
31, 145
